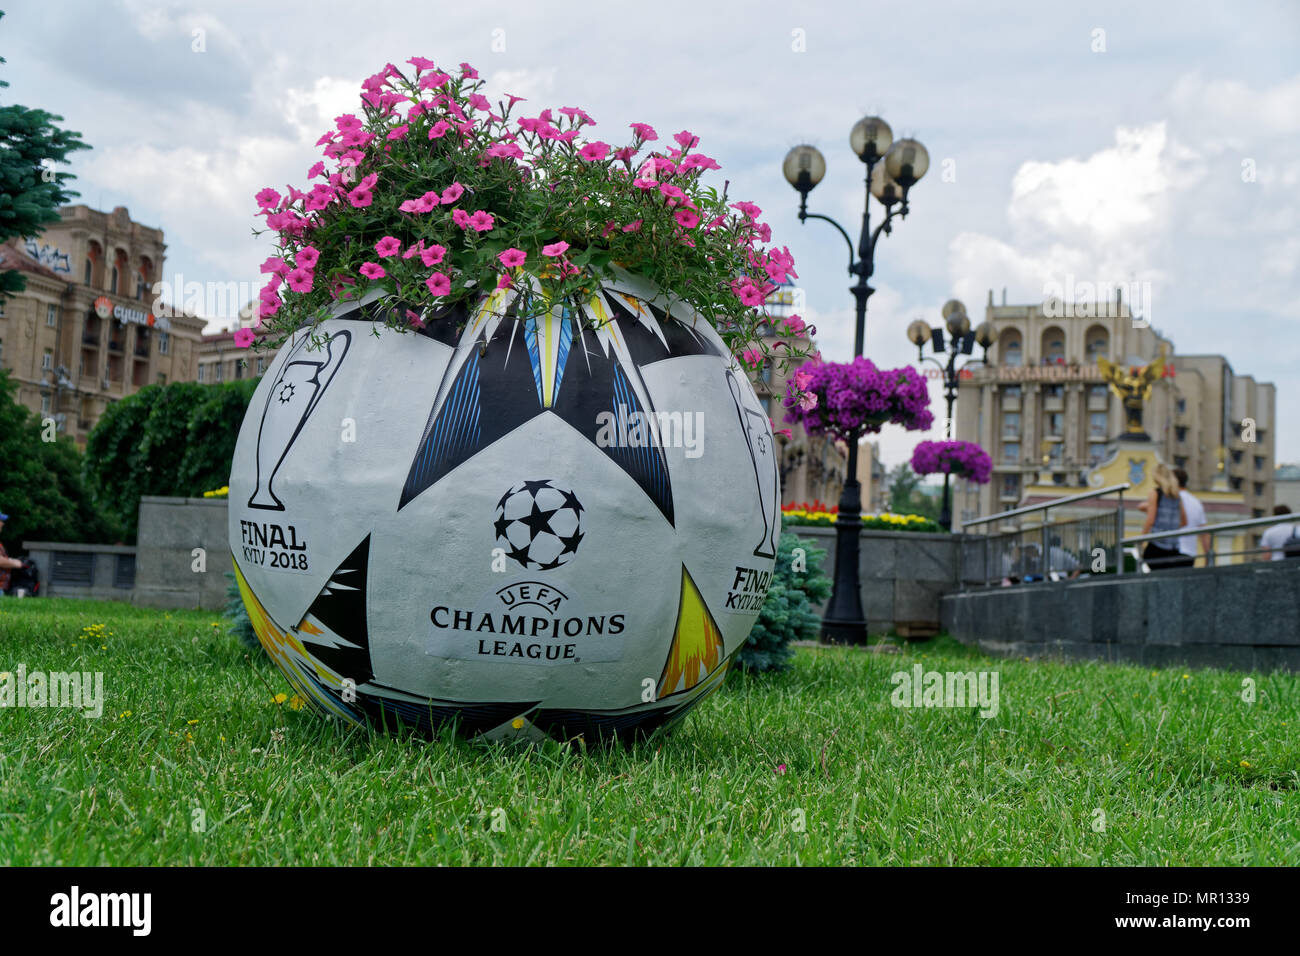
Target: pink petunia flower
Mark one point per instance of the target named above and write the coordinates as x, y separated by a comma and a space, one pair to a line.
555, 248
420, 63
268, 198
482, 221
244, 338
268, 305
593, 152
644, 131
460, 217
645, 184
433, 255
512, 258
686, 218
452, 193
685, 140
468, 72
388, 246
438, 284
633, 226
398, 132
480, 102
360, 197
317, 169
748, 208
372, 270
300, 279
439, 129
808, 402
752, 357
276, 265
347, 121
503, 282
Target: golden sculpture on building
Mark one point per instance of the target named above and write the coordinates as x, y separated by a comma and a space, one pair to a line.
1133, 386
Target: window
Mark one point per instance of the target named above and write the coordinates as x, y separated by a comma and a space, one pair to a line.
1236, 457
765, 401
1054, 453
1236, 483
1259, 462
47, 360
765, 371
1010, 486
139, 287
1054, 391
202, 370
1097, 392
51, 316
1011, 452
1058, 478
113, 284
216, 371
2, 352
1259, 488
261, 367
1181, 405
1011, 354
1096, 424
1180, 461
1096, 451
45, 403
1055, 424
1180, 432
1011, 424
164, 342
162, 378
1011, 391
90, 271
2, 307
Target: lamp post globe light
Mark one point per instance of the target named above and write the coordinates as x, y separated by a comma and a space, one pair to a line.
892, 169
960, 341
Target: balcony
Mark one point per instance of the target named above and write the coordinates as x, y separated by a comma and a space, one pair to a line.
1053, 403
1011, 403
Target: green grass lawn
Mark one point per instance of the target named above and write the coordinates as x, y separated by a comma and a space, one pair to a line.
812, 766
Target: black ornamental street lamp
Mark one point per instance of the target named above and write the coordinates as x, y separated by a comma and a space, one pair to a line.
893, 168
961, 341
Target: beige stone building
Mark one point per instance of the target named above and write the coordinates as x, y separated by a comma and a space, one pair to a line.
221, 360
1042, 410
83, 333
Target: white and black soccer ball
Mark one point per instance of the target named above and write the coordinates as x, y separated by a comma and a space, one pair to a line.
539, 524
557, 527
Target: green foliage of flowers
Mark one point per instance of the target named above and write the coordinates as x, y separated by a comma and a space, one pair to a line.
789, 612
436, 195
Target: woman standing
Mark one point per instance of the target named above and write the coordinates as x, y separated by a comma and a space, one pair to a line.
1164, 508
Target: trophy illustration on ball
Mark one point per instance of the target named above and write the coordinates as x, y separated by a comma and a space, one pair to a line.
293, 397
758, 434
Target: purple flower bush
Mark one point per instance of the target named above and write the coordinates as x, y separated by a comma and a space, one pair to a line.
846, 399
964, 459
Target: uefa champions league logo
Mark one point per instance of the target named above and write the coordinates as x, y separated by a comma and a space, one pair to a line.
540, 523
293, 397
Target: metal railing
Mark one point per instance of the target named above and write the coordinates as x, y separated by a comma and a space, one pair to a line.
1045, 550
1212, 530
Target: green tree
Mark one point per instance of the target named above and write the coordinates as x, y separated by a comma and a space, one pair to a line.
906, 496
41, 486
174, 440
31, 192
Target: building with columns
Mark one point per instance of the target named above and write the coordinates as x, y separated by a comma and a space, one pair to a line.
83, 333
1043, 412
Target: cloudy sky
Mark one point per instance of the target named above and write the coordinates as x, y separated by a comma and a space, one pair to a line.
1157, 142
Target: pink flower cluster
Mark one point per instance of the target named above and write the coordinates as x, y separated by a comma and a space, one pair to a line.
846, 399
964, 459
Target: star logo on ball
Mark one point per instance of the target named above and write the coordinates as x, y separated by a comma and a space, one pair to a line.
539, 524
286, 393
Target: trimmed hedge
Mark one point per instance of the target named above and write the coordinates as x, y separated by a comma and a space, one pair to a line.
176, 440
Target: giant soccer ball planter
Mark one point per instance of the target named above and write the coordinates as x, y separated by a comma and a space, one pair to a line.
557, 526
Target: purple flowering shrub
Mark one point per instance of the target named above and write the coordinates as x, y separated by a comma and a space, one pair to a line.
847, 399
964, 459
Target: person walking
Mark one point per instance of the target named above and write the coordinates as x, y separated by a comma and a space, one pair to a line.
1281, 537
1195, 519
1165, 512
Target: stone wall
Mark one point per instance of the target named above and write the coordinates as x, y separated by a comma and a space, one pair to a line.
902, 575
1244, 617
169, 531
105, 572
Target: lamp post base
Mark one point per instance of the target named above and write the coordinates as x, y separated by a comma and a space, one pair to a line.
844, 621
